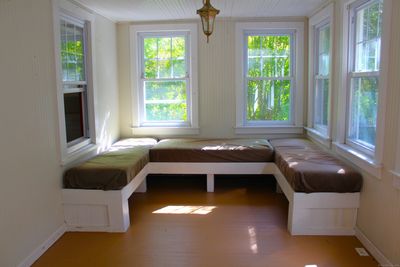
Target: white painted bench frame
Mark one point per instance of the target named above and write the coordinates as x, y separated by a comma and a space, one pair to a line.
98, 210
309, 214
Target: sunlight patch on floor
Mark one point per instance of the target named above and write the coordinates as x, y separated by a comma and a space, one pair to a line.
198, 210
253, 239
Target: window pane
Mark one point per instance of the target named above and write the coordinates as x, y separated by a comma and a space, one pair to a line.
178, 47
164, 48
74, 116
268, 100
165, 90
72, 52
254, 46
368, 37
323, 51
150, 68
150, 48
321, 105
164, 69
254, 67
179, 68
363, 110
268, 56
166, 112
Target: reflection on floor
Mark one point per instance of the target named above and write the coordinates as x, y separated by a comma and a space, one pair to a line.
176, 223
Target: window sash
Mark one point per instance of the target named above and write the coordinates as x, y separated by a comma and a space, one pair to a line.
290, 78
318, 76
320, 127
354, 9
359, 143
83, 26
142, 80
317, 54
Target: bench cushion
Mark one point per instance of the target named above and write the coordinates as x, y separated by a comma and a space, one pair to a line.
113, 169
309, 169
212, 150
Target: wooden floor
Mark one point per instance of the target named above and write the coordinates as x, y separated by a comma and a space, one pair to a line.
245, 226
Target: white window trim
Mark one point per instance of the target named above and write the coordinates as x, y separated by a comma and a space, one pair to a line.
324, 15
87, 145
396, 170
318, 137
296, 124
371, 164
164, 129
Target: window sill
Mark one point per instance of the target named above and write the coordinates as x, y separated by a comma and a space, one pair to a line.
273, 129
82, 153
396, 179
157, 131
361, 160
318, 137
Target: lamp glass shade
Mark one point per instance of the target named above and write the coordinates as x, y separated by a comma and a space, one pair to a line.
207, 14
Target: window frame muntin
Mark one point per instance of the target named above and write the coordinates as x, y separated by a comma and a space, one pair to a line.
292, 77
141, 79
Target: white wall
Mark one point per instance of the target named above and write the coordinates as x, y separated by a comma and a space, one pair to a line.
107, 94
30, 176
217, 99
379, 214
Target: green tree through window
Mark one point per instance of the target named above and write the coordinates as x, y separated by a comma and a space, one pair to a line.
165, 79
268, 77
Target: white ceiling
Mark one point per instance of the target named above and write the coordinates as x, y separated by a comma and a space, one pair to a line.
150, 10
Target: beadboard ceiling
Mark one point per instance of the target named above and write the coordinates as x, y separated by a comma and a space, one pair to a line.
152, 10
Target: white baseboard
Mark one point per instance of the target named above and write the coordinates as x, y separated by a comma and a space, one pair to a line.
375, 252
40, 250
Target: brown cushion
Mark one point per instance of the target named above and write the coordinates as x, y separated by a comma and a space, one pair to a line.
113, 169
212, 150
309, 169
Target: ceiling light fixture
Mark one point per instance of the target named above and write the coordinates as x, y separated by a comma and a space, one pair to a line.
207, 14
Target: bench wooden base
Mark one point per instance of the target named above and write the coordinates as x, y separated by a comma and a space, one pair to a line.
309, 214
319, 213
98, 210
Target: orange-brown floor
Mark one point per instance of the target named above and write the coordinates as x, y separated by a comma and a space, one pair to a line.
245, 226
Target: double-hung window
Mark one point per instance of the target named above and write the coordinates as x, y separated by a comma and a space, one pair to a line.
364, 64
165, 79
269, 79
321, 77
73, 48
73, 34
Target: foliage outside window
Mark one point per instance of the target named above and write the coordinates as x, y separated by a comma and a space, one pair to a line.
321, 78
364, 76
74, 81
165, 79
268, 77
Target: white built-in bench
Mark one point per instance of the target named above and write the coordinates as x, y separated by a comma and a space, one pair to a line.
311, 212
